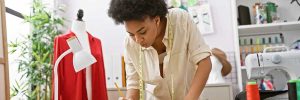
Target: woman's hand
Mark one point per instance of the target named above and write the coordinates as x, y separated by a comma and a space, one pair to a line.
221, 56
123, 98
188, 97
218, 53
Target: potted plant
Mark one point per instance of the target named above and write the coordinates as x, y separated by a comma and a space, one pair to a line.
35, 59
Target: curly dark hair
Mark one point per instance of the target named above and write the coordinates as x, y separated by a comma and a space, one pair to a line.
124, 10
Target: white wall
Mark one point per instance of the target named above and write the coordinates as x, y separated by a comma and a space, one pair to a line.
98, 23
223, 32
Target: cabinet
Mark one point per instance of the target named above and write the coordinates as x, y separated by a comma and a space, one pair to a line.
286, 30
113, 93
221, 91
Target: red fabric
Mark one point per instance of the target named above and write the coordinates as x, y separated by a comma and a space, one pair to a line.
72, 85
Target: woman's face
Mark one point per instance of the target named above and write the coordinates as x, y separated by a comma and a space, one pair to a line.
143, 32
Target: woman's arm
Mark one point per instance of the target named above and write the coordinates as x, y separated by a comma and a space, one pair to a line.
199, 54
221, 56
199, 80
132, 77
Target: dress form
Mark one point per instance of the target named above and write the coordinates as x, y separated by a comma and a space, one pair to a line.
79, 29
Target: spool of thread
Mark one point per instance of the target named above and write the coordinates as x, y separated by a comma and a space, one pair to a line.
292, 91
298, 89
252, 91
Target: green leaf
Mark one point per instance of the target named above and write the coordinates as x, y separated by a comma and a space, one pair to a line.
34, 62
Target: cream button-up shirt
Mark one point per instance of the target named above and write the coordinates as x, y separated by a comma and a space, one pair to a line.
180, 62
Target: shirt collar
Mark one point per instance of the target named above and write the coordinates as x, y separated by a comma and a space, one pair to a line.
167, 29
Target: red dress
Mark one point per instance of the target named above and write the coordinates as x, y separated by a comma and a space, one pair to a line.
72, 85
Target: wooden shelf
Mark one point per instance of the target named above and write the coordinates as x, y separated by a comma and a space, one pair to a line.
268, 28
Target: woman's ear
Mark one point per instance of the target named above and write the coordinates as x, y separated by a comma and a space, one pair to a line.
157, 20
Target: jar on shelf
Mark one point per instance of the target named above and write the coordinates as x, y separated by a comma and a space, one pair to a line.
272, 15
260, 14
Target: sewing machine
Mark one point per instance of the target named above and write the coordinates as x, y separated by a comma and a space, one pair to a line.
279, 67
260, 65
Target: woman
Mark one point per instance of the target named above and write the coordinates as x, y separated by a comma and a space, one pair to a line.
165, 55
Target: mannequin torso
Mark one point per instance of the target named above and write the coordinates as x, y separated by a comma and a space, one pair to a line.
79, 29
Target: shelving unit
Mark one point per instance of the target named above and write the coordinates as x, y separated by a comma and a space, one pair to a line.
269, 28
290, 29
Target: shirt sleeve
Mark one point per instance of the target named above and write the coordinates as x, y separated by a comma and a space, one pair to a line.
197, 48
132, 76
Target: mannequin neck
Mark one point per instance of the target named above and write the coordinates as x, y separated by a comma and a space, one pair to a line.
78, 27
